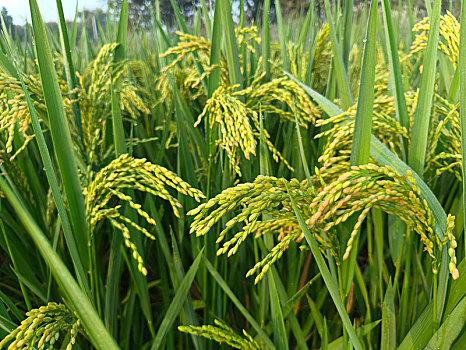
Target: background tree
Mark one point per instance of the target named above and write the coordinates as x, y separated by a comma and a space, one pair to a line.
7, 19
139, 11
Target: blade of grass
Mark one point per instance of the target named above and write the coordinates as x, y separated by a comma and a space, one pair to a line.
207, 24
304, 31
266, 40
422, 330
214, 80
388, 320
15, 267
93, 325
176, 270
122, 35
239, 305
301, 151
279, 332
112, 291
114, 265
281, 31
215, 52
79, 265
6, 66
419, 132
462, 77
450, 329
362, 331
396, 226
179, 17
286, 307
61, 136
363, 123
324, 341
69, 67
234, 67
177, 303
190, 314
74, 29
360, 148
394, 64
117, 124
330, 282
347, 30
341, 73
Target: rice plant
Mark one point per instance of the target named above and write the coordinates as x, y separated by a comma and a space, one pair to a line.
293, 180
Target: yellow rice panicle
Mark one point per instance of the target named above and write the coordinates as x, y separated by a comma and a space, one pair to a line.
43, 327
111, 184
223, 334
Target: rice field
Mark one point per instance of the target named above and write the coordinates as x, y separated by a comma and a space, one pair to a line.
293, 182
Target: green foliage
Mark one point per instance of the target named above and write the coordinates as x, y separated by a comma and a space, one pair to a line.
113, 128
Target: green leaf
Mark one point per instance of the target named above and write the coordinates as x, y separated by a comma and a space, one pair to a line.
281, 31
450, 329
347, 30
341, 73
177, 303
363, 123
462, 78
279, 332
388, 320
329, 280
394, 64
266, 40
422, 330
117, 123
239, 305
55, 189
6, 66
338, 344
61, 136
215, 51
89, 318
122, 35
234, 67
69, 67
420, 130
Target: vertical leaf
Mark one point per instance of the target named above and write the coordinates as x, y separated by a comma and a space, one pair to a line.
281, 30
341, 73
122, 35
61, 136
450, 329
177, 303
363, 124
69, 67
266, 40
329, 280
215, 52
388, 321
93, 325
394, 64
234, 299
279, 332
462, 70
234, 67
419, 133
347, 30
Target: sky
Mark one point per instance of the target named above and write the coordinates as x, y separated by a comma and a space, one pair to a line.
19, 9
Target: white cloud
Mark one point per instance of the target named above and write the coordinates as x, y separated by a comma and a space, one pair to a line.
19, 9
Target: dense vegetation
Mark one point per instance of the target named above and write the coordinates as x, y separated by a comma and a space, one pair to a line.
293, 184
